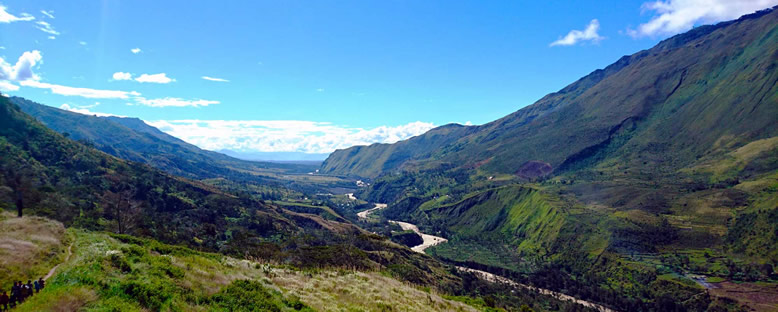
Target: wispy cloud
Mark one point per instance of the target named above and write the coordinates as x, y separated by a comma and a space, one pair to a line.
7, 86
214, 79
48, 13
320, 90
47, 28
576, 36
144, 78
22, 73
82, 92
6, 17
283, 135
674, 16
155, 78
136, 50
173, 102
83, 43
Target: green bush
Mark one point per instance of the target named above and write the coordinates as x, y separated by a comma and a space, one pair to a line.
246, 295
118, 261
153, 295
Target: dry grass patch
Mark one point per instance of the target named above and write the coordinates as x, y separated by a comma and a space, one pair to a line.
758, 296
347, 290
29, 247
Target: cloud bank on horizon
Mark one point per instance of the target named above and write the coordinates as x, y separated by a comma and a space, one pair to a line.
283, 135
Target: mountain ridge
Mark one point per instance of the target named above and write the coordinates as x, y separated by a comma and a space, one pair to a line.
590, 111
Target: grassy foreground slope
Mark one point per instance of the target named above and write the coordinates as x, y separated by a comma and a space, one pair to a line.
122, 273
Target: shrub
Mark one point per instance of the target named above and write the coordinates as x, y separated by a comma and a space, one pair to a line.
153, 295
246, 295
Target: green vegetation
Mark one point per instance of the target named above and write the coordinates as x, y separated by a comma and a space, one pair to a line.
408, 238
109, 272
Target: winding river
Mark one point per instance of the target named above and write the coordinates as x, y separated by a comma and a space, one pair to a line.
427, 240
431, 240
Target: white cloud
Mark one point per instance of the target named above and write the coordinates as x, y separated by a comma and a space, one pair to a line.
675, 16
283, 135
22, 73
576, 36
23, 68
173, 102
49, 13
7, 86
6, 17
47, 28
122, 76
83, 43
83, 92
320, 90
215, 79
136, 50
155, 78
144, 78
85, 110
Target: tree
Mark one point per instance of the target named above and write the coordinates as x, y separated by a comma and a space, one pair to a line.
22, 189
122, 208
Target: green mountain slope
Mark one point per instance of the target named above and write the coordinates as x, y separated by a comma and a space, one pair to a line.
687, 97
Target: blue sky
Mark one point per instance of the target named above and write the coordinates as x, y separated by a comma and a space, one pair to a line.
312, 76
